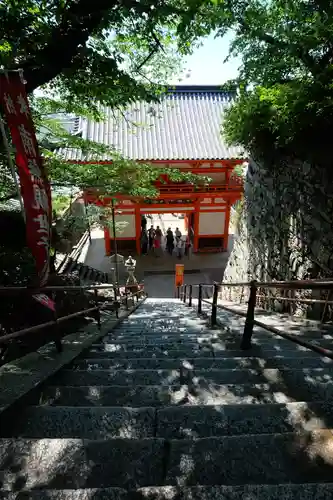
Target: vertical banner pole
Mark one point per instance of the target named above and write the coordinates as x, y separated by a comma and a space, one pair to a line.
115, 239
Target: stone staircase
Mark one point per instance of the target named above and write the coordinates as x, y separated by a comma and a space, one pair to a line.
165, 408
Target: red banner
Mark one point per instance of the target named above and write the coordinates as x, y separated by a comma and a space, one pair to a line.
35, 188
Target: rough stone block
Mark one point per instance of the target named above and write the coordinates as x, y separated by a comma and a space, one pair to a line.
80, 494
42, 463
204, 363
115, 395
118, 377
250, 492
255, 459
109, 351
227, 420
76, 464
84, 423
126, 463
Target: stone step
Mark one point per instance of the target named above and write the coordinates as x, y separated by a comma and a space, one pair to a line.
170, 330
75, 463
198, 394
252, 459
205, 330
111, 351
200, 343
268, 459
157, 341
79, 494
231, 420
192, 377
275, 343
282, 342
83, 422
160, 336
114, 395
99, 351
156, 396
158, 377
202, 363
306, 491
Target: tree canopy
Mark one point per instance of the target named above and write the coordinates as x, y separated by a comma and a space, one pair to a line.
82, 56
285, 79
103, 51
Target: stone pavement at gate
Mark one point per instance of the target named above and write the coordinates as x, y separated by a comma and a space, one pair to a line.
214, 263
158, 272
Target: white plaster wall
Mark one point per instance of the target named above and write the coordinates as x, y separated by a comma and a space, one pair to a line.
211, 223
125, 226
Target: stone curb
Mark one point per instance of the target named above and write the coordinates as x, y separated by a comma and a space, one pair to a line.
21, 376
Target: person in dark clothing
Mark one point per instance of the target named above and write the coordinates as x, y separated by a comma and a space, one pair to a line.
157, 241
151, 236
144, 243
158, 233
143, 223
169, 241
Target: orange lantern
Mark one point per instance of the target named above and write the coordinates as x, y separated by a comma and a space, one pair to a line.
179, 275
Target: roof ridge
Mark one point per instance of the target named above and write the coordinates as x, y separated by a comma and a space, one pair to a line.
199, 88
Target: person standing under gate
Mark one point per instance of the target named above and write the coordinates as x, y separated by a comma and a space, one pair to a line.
144, 243
180, 248
178, 234
157, 240
169, 241
143, 223
151, 236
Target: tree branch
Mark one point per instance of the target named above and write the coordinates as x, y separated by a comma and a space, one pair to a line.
79, 21
77, 24
297, 51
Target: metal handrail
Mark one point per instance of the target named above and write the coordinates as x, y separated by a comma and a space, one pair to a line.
293, 284
250, 321
59, 288
97, 308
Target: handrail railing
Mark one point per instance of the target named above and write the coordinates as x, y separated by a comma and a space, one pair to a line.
116, 302
58, 288
185, 291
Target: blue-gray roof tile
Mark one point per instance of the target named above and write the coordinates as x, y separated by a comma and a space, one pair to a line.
185, 125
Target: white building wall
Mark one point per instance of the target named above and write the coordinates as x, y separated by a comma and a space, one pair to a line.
211, 223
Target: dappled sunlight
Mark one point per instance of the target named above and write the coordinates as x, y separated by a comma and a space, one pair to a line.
37, 463
183, 405
321, 446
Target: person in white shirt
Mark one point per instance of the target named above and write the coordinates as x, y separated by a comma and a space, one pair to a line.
180, 248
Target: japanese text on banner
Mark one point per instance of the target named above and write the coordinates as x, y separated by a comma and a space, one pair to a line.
35, 188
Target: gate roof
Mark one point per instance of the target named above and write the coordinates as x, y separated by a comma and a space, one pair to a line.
185, 125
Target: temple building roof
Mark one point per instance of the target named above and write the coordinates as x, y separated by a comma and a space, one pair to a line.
185, 125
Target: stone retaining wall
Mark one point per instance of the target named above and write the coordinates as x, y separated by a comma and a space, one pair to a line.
285, 226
